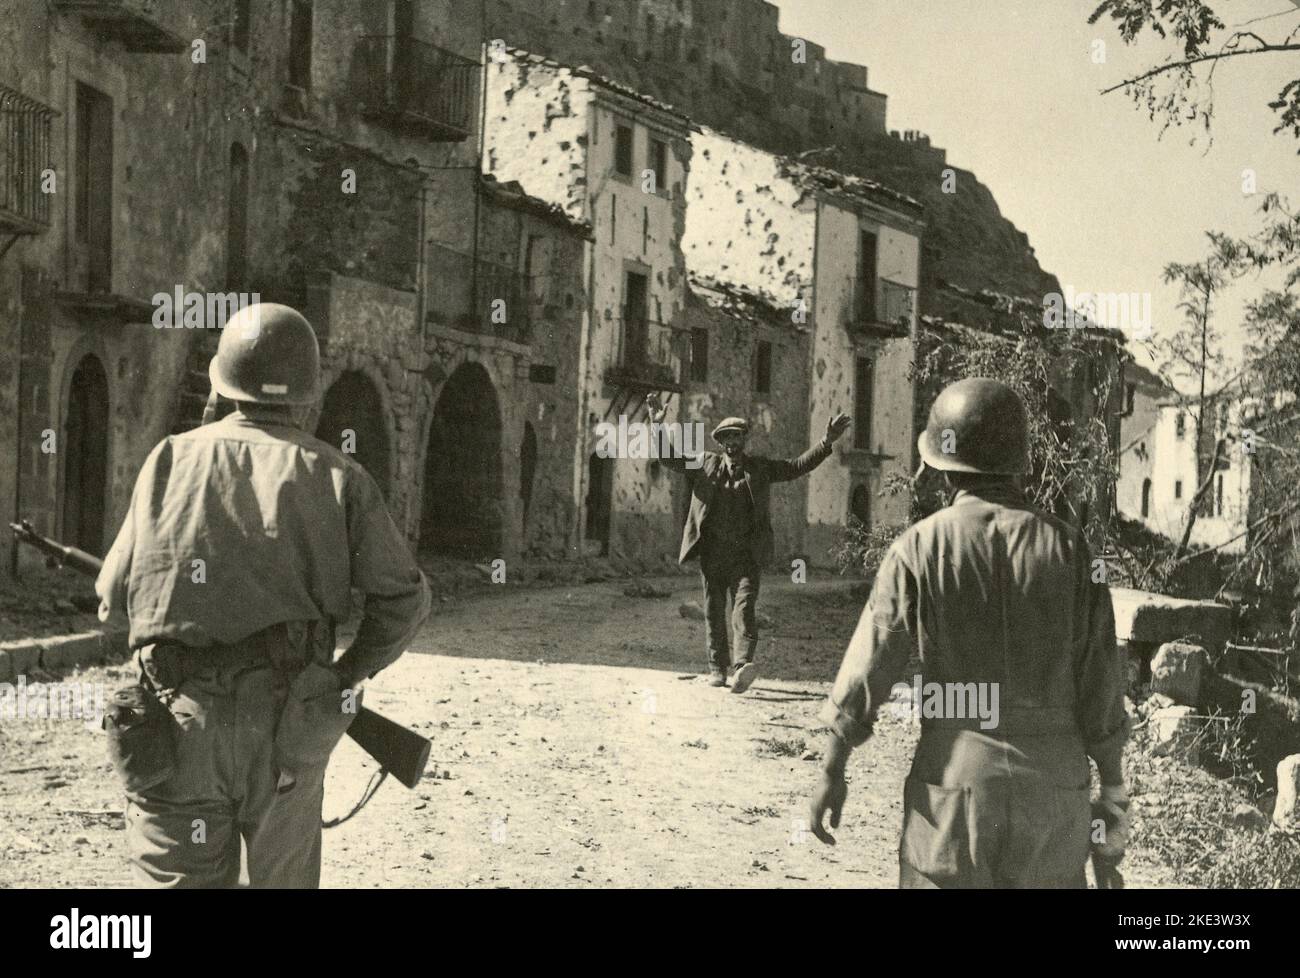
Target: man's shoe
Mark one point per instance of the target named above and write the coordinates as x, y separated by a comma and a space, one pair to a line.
744, 676
716, 677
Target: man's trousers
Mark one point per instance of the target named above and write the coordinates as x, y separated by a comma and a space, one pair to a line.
231, 782
731, 581
995, 812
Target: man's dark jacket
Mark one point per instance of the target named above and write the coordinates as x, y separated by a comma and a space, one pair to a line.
760, 473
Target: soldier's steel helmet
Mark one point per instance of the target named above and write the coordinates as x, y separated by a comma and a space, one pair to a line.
977, 425
267, 355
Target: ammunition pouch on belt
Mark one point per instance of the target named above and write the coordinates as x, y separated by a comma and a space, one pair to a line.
141, 741
316, 715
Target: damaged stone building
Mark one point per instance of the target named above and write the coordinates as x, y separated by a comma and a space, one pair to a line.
112, 188
322, 154
617, 161
839, 256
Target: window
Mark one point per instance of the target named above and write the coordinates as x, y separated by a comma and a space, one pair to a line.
867, 278
25, 151
237, 220
240, 32
1180, 424
763, 368
1178, 489
860, 505
623, 150
1130, 396
636, 316
699, 355
94, 187
1146, 498
300, 15
659, 163
863, 382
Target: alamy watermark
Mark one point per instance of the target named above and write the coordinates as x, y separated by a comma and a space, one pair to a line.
653, 439
179, 309
53, 701
1128, 312
920, 700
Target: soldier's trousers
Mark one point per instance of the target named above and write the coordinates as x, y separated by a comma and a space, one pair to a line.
731, 578
995, 812
228, 784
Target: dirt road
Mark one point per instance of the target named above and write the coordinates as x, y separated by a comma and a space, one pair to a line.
572, 747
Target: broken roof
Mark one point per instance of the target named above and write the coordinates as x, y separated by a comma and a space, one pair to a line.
584, 71
738, 301
823, 179
510, 193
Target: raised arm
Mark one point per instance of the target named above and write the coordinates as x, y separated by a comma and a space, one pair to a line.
675, 458
786, 469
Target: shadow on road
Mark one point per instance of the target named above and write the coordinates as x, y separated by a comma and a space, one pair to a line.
598, 624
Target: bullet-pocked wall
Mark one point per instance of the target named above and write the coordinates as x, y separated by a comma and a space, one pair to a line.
88, 382
619, 162
860, 371
776, 229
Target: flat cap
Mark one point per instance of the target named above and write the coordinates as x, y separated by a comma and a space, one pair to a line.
739, 425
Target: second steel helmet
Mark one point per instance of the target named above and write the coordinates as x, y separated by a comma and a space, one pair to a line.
977, 425
267, 355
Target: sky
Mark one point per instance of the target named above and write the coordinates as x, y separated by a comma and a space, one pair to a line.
1011, 90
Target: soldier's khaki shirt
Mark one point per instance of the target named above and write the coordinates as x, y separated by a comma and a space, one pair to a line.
248, 522
991, 590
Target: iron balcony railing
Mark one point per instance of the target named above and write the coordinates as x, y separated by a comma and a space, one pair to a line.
888, 312
482, 297
24, 157
140, 25
417, 87
648, 355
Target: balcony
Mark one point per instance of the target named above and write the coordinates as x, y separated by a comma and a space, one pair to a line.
416, 89
648, 356
137, 24
24, 154
464, 295
885, 315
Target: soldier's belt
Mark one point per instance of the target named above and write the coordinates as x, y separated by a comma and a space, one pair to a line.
286, 646
1043, 721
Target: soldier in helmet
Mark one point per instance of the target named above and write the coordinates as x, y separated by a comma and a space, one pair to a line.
728, 528
235, 561
999, 601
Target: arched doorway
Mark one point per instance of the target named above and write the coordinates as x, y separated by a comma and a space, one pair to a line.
85, 456
352, 420
462, 512
527, 470
600, 500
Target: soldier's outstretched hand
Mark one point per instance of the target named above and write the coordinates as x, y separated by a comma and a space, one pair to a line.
829, 797
837, 425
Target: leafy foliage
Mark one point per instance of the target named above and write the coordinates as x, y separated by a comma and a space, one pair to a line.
1172, 91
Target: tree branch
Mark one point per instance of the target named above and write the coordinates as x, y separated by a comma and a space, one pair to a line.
1189, 62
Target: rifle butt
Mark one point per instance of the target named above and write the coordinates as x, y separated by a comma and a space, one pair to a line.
402, 752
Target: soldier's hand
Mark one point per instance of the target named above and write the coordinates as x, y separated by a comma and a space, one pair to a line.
655, 407
836, 426
1110, 838
829, 797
